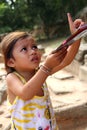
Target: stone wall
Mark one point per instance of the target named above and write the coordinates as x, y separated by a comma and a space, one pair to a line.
79, 64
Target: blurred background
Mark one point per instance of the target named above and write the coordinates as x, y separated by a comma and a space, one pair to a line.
45, 19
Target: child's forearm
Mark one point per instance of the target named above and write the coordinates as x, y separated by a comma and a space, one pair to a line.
72, 51
32, 87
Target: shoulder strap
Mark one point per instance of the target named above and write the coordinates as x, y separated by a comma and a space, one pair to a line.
20, 77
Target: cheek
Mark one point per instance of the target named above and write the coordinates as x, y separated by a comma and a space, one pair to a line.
40, 55
15, 53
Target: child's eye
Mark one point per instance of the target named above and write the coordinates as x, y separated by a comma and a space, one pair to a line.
34, 47
24, 49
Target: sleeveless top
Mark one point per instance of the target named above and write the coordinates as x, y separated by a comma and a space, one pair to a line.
33, 114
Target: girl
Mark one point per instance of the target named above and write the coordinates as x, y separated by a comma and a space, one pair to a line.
28, 95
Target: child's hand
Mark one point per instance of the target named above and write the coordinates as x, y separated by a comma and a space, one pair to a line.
55, 59
74, 25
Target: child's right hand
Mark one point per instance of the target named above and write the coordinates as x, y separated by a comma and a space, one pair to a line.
55, 59
74, 25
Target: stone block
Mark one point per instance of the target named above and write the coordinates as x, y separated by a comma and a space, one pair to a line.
83, 73
73, 67
3, 93
81, 53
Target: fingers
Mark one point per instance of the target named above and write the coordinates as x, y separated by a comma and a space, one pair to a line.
60, 52
78, 23
74, 25
60, 55
71, 23
58, 49
54, 59
70, 20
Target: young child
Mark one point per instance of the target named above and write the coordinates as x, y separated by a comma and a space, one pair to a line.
28, 96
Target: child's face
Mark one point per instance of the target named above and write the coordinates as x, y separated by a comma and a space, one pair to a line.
26, 55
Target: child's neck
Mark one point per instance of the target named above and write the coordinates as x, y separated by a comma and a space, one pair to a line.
27, 75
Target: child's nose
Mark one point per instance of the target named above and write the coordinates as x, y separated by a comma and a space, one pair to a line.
33, 51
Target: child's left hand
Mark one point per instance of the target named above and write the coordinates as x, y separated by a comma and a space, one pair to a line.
74, 25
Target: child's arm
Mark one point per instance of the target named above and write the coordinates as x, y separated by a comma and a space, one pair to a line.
71, 53
73, 49
33, 86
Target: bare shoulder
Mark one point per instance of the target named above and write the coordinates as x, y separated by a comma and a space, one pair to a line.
14, 86
11, 79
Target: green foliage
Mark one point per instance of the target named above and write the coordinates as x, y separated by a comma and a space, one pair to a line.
5, 29
49, 14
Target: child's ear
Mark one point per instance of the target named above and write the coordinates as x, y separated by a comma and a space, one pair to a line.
11, 62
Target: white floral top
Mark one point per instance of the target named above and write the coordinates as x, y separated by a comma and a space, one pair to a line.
34, 114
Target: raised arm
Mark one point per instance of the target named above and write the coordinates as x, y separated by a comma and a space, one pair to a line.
73, 49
